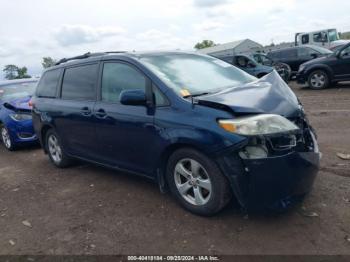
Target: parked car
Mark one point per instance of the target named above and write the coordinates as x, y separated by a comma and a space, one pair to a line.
258, 65
282, 69
195, 124
321, 72
249, 65
295, 56
16, 127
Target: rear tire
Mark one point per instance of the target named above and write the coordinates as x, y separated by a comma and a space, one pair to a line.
6, 139
55, 151
197, 183
318, 80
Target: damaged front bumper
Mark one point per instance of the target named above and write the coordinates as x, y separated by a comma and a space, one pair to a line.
272, 171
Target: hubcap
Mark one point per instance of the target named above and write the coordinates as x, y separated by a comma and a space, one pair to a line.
5, 137
54, 149
318, 80
192, 182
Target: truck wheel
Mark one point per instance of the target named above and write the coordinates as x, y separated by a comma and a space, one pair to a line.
318, 79
55, 151
197, 183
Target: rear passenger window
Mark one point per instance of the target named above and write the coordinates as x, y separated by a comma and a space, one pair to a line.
304, 52
47, 86
291, 53
79, 83
118, 77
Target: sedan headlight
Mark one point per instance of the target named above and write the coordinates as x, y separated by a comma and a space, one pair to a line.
301, 68
258, 125
20, 117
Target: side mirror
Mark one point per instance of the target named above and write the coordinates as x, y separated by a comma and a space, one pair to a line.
136, 97
314, 56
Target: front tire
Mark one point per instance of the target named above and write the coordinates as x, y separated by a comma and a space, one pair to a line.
318, 80
6, 139
197, 183
55, 151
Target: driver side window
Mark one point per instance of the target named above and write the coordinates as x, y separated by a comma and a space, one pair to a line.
117, 77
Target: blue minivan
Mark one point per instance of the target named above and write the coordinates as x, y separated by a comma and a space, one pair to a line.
196, 125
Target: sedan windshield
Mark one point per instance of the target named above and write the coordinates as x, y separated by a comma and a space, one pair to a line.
321, 50
17, 90
193, 74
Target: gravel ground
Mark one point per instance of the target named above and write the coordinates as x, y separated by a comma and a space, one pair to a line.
91, 210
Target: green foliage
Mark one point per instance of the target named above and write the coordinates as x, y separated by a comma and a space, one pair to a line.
204, 44
345, 35
10, 71
15, 72
48, 62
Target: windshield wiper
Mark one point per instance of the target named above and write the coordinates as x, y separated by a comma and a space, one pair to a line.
197, 94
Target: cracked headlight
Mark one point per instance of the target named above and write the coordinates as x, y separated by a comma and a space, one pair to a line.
263, 124
20, 117
301, 67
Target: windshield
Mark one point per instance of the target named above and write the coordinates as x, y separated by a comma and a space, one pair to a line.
333, 35
191, 74
321, 50
18, 90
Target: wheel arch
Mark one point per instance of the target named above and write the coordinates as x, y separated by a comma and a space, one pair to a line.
43, 132
164, 157
325, 68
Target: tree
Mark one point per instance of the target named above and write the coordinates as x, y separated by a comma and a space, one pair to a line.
15, 72
10, 71
48, 62
22, 72
204, 44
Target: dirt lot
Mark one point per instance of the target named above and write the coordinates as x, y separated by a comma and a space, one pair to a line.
92, 210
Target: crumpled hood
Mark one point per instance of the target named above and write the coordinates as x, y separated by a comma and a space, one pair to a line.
269, 94
19, 104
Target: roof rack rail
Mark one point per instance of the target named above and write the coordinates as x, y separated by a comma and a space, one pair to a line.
86, 55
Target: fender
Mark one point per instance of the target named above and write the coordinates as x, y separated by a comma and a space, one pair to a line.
320, 66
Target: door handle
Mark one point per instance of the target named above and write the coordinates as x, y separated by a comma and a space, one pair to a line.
101, 113
85, 111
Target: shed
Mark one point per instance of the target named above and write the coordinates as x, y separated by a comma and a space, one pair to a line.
244, 46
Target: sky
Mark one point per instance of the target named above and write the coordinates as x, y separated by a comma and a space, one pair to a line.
30, 30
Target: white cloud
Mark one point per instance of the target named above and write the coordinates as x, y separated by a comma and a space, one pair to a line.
68, 35
5, 52
63, 28
209, 3
208, 26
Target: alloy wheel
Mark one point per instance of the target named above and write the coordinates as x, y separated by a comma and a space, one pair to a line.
54, 149
192, 182
318, 80
6, 137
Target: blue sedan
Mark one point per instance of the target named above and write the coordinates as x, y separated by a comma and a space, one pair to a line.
16, 128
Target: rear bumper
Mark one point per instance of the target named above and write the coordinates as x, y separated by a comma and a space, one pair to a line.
271, 182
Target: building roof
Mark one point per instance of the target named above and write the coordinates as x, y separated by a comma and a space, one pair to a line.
226, 46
